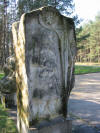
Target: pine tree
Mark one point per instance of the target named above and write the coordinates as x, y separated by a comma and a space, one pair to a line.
7, 15
65, 6
90, 47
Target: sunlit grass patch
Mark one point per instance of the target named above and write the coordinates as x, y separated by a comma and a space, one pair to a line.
86, 69
6, 124
1, 75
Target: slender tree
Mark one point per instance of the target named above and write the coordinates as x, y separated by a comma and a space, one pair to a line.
7, 15
5, 45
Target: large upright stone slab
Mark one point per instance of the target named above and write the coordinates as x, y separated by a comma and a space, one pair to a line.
45, 48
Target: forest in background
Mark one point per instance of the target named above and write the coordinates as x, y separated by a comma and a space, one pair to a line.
88, 36
88, 41
11, 11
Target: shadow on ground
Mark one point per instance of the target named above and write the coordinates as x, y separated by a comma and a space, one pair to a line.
84, 103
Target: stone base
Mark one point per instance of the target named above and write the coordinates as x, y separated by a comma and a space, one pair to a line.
55, 126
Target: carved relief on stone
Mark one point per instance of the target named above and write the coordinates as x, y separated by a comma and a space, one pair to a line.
48, 18
46, 45
45, 72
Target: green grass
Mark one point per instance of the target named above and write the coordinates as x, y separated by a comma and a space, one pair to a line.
1, 75
6, 124
86, 69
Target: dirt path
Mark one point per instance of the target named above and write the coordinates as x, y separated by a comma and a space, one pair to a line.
84, 103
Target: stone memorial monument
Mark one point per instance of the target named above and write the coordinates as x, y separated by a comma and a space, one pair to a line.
8, 84
45, 49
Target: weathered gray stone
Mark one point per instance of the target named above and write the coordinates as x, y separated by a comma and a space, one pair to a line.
8, 83
62, 126
45, 48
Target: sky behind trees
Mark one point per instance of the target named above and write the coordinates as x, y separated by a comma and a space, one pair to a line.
87, 9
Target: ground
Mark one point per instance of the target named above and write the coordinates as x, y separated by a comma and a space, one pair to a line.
84, 104
6, 123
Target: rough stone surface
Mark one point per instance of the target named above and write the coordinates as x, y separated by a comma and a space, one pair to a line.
45, 48
64, 126
8, 83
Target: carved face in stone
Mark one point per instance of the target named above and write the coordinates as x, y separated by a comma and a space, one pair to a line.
48, 18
